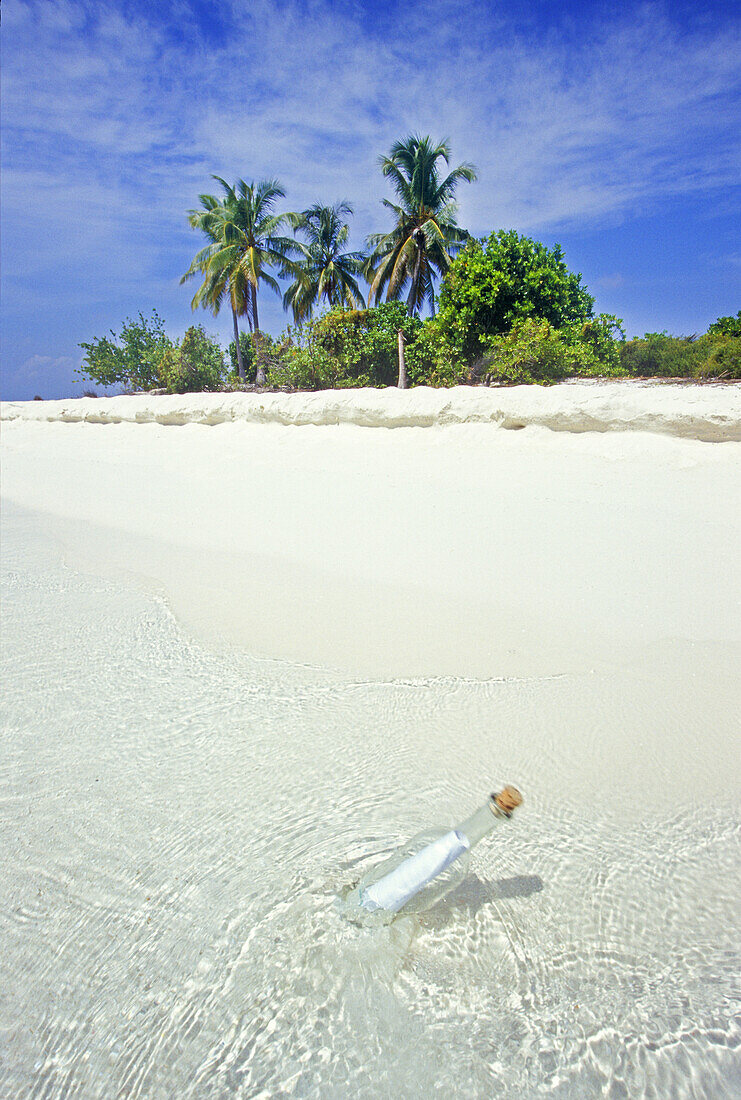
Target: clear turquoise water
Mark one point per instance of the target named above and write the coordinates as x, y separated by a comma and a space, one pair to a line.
176, 823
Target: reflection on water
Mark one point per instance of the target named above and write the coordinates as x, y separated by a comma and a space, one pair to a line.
176, 825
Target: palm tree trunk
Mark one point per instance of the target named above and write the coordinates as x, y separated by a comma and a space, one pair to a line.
240, 360
260, 375
413, 298
403, 382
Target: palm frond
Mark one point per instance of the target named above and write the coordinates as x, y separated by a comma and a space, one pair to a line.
465, 172
244, 234
425, 231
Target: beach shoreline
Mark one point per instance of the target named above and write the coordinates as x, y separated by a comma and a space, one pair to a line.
459, 549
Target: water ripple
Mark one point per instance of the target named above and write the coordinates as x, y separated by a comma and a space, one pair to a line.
176, 824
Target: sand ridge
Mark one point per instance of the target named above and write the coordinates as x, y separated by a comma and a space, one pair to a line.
711, 413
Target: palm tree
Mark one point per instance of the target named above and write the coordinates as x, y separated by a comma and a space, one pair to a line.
425, 234
244, 242
323, 270
217, 262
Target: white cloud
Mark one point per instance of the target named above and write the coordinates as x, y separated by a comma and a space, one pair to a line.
113, 122
610, 282
41, 374
558, 133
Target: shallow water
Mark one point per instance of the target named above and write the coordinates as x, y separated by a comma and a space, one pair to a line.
176, 823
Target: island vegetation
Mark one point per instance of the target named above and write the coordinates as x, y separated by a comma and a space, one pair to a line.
425, 304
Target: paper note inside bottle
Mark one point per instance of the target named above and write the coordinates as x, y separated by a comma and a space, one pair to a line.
398, 886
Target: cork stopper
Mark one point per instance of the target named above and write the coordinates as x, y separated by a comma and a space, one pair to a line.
507, 800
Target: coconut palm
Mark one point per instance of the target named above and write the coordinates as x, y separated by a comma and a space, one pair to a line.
244, 242
425, 234
217, 263
322, 269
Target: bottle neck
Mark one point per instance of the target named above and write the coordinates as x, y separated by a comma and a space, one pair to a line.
481, 823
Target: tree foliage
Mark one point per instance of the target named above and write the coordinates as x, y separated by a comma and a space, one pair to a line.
322, 270
194, 364
218, 263
727, 326
425, 233
245, 242
495, 284
130, 359
345, 348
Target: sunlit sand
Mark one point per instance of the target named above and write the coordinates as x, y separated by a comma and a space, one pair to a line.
252, 643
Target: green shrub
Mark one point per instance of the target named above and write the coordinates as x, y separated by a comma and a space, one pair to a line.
510, 310
130, 359
193, 365
364, 342
658, 355
495, 284
349, 348
723, 359
534, 352
431, 361
597, 342
727, 326
305, 367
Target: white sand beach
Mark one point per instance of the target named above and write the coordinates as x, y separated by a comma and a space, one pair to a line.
255, 640
450, 548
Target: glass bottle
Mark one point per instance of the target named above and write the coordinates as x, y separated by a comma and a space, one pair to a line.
428, 867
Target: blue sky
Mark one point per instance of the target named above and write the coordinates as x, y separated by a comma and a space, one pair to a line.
612, 130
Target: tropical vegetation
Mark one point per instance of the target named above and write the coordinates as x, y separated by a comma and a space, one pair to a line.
444, 308
244, 242
143, 357
425, 234
659, 355
350, 348
345, 348
194, 363
323, 271
508, 299
726, 326
129, 358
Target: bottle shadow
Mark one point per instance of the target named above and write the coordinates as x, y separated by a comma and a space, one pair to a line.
473, 894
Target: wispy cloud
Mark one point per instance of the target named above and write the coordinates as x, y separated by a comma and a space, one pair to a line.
114, 121
559, 131
610, 282
47, 375
727, 259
